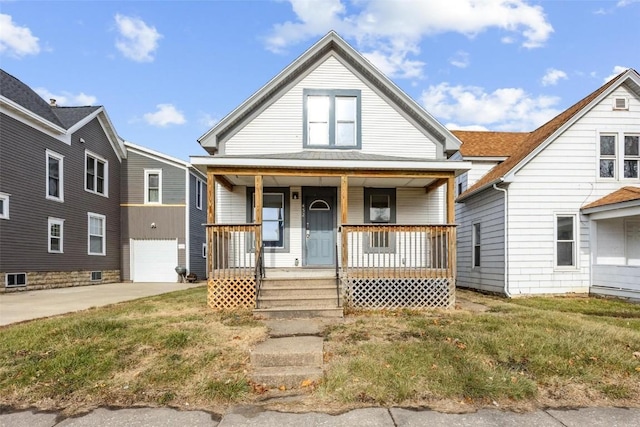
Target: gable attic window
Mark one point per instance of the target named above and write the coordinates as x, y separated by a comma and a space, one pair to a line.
331, 118
620, 103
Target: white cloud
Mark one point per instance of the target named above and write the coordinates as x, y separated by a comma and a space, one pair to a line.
623, 3
166, 115
460, 59
618, 69
455, 126
506, 109
15, 40
208, 120
67, 99
137, 41
388, 32
552, 77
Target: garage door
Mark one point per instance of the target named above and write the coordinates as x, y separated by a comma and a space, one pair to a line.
154, 260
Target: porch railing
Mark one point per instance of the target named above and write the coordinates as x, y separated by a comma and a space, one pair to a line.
233, 265
393, 265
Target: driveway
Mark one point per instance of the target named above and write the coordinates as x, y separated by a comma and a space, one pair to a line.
28, 305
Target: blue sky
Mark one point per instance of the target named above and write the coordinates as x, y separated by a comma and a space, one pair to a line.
166, 71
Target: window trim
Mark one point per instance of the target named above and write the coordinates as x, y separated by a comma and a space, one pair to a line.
332, 94
575, 241
392, 194
60, 159
105, 186
204, 250
55, 221
4, 212
284, 191
476, 242
148, 172
91, 215
199, 193
6, 280
625, 157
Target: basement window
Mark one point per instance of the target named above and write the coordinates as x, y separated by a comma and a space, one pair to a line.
96, 276
13, 280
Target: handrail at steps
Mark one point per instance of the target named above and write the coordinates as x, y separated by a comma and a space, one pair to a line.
259, 273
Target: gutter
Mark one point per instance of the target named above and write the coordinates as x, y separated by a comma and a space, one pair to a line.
506, 238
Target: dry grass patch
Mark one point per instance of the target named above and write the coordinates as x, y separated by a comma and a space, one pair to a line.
165, 350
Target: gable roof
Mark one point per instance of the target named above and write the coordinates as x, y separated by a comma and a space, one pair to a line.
625, 194
20, 99
539, 138
489, 144
330, 43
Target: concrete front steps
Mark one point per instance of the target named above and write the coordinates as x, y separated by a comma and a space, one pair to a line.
298, 293
289, 362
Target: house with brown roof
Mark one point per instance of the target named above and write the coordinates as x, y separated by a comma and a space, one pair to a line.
556, 210
331, 169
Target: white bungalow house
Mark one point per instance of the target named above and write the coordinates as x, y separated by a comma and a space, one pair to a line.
331, 166
556, 210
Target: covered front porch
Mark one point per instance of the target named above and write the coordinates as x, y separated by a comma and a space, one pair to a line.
387, 232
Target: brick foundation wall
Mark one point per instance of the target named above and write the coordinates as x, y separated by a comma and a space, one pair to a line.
59, 279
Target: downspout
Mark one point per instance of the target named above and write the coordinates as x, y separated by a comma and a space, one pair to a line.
187, 224
506, 239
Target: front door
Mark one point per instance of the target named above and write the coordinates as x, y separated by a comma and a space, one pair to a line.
319, 226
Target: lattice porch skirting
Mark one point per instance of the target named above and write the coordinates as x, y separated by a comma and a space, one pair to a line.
231, 293
390, 293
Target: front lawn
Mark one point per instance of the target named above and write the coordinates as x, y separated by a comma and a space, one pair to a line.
172, 350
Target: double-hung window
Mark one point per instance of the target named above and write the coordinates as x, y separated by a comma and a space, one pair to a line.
566, 244
380, 208
332, 118
55, 176
476, 244
97, 239
4, 206
56, 235
619, 155
631, 156
153, 186
275, 207
96, 174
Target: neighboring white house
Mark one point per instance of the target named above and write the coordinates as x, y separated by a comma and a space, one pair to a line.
331, 165
556, 210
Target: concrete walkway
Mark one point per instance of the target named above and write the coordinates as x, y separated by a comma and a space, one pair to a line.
383, 417
27, 305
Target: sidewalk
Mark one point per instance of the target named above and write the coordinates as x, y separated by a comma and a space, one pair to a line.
28, 305
251, 416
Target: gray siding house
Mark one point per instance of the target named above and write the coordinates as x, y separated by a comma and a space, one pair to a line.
163, 209
59, 192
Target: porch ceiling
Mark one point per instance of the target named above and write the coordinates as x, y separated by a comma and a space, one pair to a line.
328, 181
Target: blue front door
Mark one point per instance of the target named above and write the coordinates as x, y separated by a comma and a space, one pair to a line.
319, 231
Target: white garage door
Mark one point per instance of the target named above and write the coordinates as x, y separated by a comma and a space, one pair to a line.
154, 260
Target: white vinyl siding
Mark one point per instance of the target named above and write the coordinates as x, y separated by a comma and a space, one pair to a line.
279, 128
562, 178
412, 207
487, 206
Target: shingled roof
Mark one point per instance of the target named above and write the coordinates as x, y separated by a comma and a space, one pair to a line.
18, 92
489, 144
534, 139
625, 194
